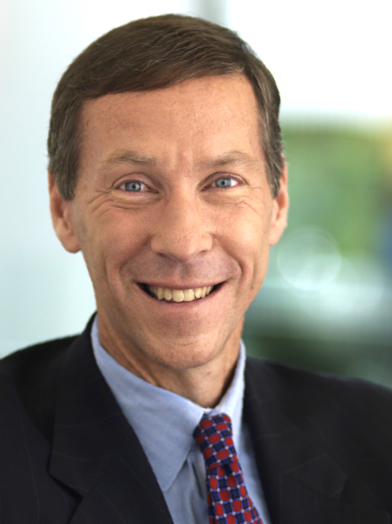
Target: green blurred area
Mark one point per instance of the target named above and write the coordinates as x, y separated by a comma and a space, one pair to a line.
340, 183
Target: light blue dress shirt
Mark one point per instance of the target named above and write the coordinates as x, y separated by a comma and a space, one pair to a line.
164, 423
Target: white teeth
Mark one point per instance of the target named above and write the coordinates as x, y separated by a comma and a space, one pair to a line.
168, 294
180, 295
189, 295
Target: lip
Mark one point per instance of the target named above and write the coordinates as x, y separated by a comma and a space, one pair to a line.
180, 286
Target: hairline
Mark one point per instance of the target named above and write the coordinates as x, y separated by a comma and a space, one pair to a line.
193, 48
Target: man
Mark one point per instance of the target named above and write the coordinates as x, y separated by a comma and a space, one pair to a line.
166, 171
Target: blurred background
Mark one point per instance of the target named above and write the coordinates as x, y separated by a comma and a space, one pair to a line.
327, 301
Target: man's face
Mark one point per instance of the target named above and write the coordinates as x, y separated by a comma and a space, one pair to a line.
172, 198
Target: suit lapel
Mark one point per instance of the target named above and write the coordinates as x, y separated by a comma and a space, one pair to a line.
301, 481
95, 452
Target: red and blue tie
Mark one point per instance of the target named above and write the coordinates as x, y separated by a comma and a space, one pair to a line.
228, 499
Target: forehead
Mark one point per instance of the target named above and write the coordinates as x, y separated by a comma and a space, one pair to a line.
200, 113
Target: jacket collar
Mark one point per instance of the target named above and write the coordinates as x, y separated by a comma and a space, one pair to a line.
95, 452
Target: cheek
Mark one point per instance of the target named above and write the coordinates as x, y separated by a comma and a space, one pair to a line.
250, 226
247, 239
111, 242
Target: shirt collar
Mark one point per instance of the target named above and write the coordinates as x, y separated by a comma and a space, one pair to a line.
164, 421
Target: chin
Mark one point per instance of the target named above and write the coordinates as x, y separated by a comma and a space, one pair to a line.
182, 356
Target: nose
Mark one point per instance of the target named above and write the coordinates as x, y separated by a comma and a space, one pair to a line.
182, 229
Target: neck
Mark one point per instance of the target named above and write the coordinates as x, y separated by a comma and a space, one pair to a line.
204, 383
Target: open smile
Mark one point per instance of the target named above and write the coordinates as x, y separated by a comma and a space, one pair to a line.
178, 295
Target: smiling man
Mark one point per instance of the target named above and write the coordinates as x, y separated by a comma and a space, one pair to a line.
166, 172
174, 215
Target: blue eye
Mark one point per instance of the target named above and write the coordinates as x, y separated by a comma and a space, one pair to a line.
224, 182
133, 186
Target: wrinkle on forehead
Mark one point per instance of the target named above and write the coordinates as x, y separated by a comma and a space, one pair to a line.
194, 127
126, 156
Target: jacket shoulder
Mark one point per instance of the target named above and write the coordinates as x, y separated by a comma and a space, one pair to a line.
27, 367
28, 378
284, 379
336, 408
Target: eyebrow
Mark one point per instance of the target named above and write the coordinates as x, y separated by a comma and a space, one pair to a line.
126, 156
231, 157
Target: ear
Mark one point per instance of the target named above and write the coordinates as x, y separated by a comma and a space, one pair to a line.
280, 206
62, 220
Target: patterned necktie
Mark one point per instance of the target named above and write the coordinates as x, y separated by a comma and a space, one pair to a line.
228, 499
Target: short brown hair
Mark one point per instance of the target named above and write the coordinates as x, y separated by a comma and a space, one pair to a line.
149, 54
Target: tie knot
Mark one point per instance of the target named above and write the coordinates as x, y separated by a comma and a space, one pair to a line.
214, 437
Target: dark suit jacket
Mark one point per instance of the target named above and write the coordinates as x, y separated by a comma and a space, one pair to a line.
67, 455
